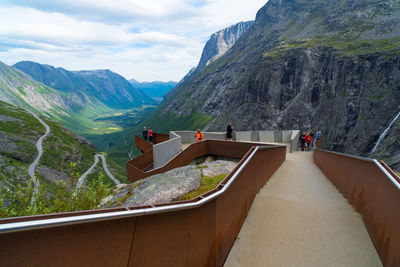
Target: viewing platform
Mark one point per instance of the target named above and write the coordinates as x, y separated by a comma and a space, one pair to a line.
299, 218
274, 208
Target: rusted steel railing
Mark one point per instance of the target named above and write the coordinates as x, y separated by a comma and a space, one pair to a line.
159, 138
375, 194
199, 232
142, 144
136, 168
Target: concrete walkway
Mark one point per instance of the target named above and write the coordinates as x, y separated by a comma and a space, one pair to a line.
300, 219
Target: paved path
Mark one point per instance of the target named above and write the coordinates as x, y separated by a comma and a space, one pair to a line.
300, 219
31, 169
96, 160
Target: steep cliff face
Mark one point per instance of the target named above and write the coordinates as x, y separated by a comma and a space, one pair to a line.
222, 41
306, 64
218, 44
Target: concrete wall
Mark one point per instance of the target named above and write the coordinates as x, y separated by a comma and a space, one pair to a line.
267, 136
188, 136
165, 151
286, 136
243, 136
294, 140
215, 135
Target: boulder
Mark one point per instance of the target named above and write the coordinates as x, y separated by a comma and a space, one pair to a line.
165, 187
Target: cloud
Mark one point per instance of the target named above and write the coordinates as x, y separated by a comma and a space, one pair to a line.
141, 39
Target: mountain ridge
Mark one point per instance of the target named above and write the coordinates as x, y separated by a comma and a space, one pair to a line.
303, 65
108, 87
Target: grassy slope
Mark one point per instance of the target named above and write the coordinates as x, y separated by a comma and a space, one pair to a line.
60, 148
21, 136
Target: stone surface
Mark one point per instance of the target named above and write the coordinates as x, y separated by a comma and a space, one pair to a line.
217, 167
165, 187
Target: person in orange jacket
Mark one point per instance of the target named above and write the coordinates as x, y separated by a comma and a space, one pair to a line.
199, 135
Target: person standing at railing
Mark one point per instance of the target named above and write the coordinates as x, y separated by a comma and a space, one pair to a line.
199, 135
303, 141
312, 139
308, 142
317, 141
145, 133
150, 132
229, 131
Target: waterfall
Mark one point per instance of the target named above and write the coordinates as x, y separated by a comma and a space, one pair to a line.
385, 132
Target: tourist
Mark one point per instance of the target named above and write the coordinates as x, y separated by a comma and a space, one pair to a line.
150, 135
199, 135
229, 131
145, 133
308, 142
312, 138
303, 141
317, 141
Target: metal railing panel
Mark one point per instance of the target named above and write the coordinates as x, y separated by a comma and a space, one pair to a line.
186, 234
373, 192
142, 144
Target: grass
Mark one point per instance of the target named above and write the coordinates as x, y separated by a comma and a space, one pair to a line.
345, 46
207, 184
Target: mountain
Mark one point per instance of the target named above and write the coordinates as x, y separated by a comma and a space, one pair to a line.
302, 65
155, 89
222, 41
218, 44
19, 132
109, 88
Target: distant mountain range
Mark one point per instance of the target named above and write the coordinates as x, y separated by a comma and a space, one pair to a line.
155, 89
106, 86
74, 98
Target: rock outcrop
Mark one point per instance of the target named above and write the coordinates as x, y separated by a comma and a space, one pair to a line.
165, 187
222, 41
218, 44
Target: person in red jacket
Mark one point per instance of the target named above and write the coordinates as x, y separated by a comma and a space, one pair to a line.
308, 142
150, 132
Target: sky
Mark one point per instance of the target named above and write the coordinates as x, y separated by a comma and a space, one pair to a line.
147, 40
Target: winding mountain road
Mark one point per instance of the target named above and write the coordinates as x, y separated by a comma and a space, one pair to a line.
31, 169
39, 146
96, 160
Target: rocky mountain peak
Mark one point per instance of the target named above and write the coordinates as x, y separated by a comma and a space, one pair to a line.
222, 41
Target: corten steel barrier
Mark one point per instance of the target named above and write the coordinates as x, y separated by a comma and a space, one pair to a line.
142, 144
199, 232
136, 168
374, 193
159, 138
142, 162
